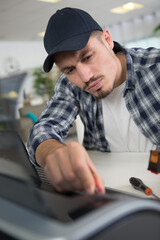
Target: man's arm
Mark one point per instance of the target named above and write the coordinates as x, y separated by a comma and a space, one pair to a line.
68, 167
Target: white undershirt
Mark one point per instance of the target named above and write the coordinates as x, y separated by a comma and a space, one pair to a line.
121, 132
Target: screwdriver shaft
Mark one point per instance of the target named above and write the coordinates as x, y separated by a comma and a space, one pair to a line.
155, 196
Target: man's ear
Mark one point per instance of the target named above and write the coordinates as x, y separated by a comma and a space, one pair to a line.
107, 37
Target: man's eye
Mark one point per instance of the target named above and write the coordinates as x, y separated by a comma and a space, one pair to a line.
88, 57
70, 71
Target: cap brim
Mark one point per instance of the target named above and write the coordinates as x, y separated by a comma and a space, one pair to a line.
74, 44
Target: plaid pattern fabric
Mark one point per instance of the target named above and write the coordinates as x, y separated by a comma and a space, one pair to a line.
142, 98
142, 93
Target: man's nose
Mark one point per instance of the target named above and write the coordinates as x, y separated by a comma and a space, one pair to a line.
85, 73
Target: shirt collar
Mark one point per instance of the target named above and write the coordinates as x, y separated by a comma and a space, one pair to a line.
130, 68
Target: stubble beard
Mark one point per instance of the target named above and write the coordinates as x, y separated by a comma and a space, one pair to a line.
99, 94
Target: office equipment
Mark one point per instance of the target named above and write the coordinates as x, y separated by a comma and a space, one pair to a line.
31, 210
140, 186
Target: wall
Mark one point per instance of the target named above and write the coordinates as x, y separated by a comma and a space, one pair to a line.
135, 29
22, 55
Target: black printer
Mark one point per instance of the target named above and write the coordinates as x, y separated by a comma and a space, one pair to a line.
31, 209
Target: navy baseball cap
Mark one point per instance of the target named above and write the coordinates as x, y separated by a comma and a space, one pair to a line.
68, 29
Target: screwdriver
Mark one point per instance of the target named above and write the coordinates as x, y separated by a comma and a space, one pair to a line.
139, 185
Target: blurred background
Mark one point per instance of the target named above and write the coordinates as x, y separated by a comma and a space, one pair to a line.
24, 87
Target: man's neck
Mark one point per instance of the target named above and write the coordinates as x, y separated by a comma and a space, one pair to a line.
123, 68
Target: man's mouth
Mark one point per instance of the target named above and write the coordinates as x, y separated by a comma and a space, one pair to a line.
94, 86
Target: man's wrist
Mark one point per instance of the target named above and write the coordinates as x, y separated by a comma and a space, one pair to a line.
46, 148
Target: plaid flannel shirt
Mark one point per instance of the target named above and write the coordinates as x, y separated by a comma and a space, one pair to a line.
142, 98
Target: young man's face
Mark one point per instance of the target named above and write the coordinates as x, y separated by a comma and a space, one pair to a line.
95, 68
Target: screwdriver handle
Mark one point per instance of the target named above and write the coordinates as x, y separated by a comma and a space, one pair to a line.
139, 185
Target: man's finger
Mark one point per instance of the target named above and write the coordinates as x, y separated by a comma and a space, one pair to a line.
78, 156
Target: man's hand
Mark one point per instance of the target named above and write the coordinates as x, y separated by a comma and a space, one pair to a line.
69, 168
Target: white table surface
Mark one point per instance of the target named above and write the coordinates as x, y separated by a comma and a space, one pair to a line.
117, 168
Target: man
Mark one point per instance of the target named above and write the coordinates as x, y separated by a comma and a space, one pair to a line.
116, 92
